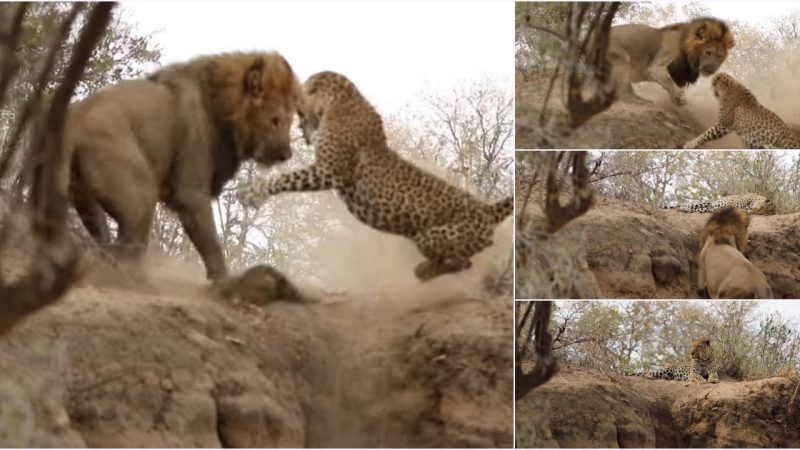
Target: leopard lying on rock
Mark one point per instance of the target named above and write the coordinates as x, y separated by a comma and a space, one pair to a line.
750, 203
701, 369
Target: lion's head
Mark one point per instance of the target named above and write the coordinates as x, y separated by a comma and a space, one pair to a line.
704, 46
727, 226
257, 94
701, 350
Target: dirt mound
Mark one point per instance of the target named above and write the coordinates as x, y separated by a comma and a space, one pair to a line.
636, 251
121, 368
580, 409
659, 124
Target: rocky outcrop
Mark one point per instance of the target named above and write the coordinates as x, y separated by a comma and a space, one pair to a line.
624, 125
114, 368
582, 409
637, 251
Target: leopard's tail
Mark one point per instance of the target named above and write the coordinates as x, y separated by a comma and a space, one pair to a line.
500, 210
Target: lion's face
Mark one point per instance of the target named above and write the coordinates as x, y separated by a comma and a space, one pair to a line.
707, 44
268, 141
711, 57
270, 100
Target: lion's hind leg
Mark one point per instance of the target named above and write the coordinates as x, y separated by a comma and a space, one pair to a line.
621, 76
91, 213
116, 176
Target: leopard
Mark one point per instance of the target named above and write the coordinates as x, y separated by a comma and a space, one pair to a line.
740, 112
379, 188
750, 203
702, 368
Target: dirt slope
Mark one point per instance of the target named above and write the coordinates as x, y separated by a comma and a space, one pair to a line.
658, 124
638, 251
119, 368
580, 409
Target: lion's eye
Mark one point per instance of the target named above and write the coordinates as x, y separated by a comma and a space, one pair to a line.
275, 121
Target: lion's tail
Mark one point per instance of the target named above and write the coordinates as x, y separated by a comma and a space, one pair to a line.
500, 210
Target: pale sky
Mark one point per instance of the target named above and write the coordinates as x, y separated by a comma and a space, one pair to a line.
788, 309
752, 12
392, 50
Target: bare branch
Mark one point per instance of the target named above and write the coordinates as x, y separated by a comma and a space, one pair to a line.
56, 260
45, 74
10, 32
582, 198
546, 365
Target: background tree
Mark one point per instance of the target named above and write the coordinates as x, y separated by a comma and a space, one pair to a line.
122, 53
749, 342
55, 261
656, 178
534, 363
542, 177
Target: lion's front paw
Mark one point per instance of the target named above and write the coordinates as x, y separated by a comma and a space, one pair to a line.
249, 196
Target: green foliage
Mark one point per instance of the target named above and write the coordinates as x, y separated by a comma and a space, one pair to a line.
121, 54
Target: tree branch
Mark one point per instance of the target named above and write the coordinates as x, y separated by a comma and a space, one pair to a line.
56, 260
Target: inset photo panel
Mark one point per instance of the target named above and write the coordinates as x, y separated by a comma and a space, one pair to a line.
657, 75
277, 224
657, 225
666, 374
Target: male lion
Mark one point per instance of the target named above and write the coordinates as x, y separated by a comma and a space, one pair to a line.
723, 269
177, 137
673, 56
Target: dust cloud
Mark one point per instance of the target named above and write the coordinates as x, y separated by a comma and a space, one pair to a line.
776, 88
349, 261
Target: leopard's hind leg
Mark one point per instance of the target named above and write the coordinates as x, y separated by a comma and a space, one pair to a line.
696, 377
448, 248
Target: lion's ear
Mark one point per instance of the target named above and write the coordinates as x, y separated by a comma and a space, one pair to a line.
701, 33
253, 80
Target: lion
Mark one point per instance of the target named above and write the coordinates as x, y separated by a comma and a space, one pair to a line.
723, 270
177, 137
673, 56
